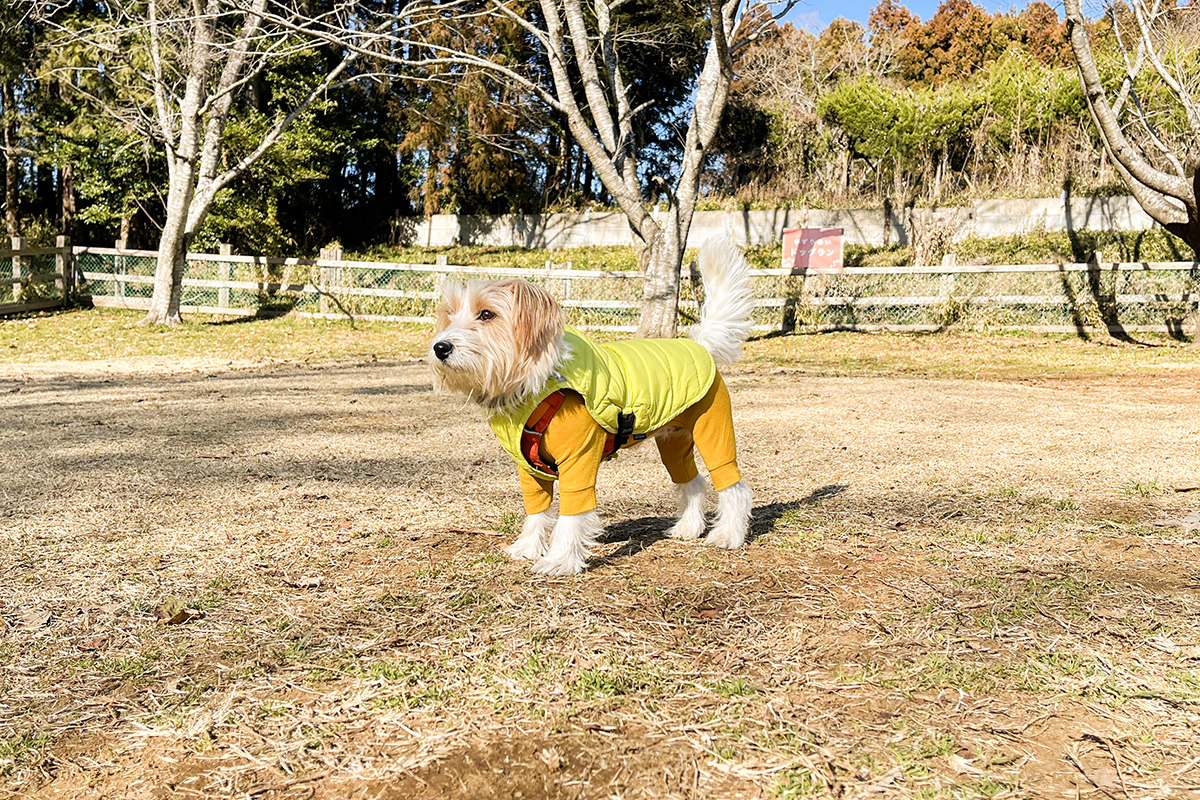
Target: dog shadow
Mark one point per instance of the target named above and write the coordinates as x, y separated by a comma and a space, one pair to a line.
639, 534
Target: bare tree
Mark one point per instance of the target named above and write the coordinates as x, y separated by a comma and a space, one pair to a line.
1152, 137
581, 73
171, 70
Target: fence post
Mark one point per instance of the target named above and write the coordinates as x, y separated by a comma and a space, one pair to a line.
18, 267
328, 281
787, 314
1093, 279
1195, 304
439, 277
949, 261
119, 268
64, 268
322, 289
224, 274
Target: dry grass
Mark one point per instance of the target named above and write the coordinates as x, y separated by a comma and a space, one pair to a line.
956, 586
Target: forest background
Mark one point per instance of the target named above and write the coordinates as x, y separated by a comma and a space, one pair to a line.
901, 112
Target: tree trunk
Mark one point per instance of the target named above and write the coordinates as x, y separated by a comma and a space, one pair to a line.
69, 202
44, 183
844, 178
661, 261
10, 163
172, 249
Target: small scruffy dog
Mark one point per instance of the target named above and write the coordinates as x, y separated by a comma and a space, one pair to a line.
561, 403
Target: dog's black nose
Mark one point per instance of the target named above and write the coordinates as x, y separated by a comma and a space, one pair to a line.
442, 350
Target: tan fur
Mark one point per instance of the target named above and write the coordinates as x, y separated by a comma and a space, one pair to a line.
539, 319
498, 360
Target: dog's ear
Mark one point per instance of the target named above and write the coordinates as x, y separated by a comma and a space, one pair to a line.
452, 294
538, 318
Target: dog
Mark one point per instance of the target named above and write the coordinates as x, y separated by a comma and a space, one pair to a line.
560, 403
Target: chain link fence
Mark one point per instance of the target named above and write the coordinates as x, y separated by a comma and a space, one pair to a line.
1137, 296
31, 278
1029, 296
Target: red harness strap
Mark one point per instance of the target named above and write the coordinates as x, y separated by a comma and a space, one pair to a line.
535, 429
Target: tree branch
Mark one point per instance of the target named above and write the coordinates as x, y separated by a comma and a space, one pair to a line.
1118, 145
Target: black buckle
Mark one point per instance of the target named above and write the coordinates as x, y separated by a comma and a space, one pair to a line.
625, 423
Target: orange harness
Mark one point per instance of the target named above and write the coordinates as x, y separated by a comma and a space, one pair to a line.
535, 428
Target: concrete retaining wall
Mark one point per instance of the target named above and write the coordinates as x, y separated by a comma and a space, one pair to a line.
986, 218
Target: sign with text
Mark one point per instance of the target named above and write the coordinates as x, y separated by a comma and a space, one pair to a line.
813, 249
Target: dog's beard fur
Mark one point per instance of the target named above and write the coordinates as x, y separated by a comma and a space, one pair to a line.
498, 362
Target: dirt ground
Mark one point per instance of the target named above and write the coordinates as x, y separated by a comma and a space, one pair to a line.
955, 588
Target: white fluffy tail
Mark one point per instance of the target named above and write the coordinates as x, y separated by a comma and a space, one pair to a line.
725, 320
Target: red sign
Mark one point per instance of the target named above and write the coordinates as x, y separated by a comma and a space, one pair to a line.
813, 249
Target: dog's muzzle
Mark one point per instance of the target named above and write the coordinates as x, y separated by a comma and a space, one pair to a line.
442, 350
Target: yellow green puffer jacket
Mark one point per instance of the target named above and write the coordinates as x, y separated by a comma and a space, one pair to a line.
629, 387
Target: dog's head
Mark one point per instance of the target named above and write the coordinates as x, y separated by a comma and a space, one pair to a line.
496, 341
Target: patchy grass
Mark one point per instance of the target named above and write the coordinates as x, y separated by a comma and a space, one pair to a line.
609, 259
99, 335
1008, 356
1142, 488
20, 749
955, 587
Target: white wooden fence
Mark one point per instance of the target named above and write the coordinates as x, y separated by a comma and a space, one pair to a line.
1120, 296
41, 277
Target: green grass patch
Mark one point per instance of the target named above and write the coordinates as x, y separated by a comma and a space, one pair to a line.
615, 678
20, 749
606, 259
111, 334
479, 601
509, 523
133, 667
1017, 601
998, 355
1139, 488
410, 684
733, 687
940, 671
539, 666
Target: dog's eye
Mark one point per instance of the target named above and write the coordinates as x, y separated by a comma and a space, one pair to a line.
486, 315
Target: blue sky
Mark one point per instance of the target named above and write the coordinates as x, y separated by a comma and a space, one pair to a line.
817, 14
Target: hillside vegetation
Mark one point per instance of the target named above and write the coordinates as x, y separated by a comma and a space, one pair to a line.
901, 111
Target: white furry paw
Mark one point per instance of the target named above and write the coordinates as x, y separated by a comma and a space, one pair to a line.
532, 541
733, 517
689, 499
687, 528
562, 565
523, 549
571, 543
729, 538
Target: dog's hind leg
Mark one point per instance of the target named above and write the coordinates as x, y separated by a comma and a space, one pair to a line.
570, 544
675, 448
713, 434
532, 541
689, 499
733, 516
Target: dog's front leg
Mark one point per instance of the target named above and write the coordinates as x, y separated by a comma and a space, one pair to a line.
577, 444
571, 543
535, 533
